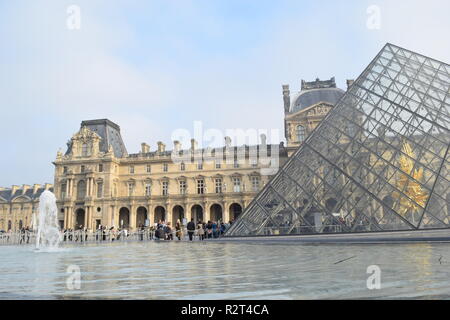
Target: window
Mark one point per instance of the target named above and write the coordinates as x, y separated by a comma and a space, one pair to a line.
165, 167
200, 165
218, 165
100, 167
148, 189
255, 183
64, 169
100, 190
236, 184
254, 163
149, 168
63, 190
236, 164
115, 190
81, 190
200, 186
165, 188
131, 169
82, 168
182, 166
182, 185
130, 189
84, 150
218, 183
301, 133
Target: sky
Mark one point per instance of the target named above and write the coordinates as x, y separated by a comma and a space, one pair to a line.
155, 67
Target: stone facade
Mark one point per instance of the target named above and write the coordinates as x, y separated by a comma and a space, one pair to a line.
19, 204
95, 186
306, 109
97, 182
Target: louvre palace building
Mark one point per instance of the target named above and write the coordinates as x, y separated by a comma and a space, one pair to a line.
98, 182
373, 157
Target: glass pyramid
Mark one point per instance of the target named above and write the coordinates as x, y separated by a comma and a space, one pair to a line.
378, 161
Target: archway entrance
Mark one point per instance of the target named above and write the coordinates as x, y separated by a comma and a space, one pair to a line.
235, 211
197, 213
216, 212
124, 218
160, 214
177, 214
79, 219
141, 216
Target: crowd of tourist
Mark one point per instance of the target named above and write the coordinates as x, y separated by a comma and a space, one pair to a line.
193, 230
200, 230
160, 231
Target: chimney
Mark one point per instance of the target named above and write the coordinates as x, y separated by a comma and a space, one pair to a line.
176, 146
25, 187
14, 188
161, 147
36, 187
286, 98
350, 83
227, 142
193, 144
145, 148
263, 139
47, 186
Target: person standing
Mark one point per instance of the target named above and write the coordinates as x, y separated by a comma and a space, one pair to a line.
200, 231
191, 229
178, 231
168, 231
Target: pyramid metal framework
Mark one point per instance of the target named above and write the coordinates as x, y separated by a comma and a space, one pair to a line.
378, 161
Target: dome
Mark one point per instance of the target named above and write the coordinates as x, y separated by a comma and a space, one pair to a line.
309, 98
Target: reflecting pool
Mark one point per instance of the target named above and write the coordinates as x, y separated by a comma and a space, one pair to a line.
214, 270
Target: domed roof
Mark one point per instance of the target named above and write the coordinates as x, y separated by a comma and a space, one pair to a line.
308, 98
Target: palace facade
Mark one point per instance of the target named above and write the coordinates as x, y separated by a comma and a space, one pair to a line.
98, 182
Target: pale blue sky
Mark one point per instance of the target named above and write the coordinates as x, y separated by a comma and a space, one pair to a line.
156, 66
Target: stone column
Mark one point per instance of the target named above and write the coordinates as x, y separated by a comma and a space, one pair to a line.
87, 217
69, 187
88, 185
226, 212
187, 212
132, 217
206, 212
66, 217
92, 187
110, 220
150, 215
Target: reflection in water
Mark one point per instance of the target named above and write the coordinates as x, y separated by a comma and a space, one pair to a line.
212, 270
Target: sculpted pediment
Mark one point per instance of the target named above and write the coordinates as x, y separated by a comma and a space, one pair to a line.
320, 109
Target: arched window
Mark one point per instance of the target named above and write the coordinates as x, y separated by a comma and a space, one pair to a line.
301, 133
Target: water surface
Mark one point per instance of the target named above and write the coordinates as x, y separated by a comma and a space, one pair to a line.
213, 270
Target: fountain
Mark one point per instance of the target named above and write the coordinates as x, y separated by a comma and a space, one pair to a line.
48, 235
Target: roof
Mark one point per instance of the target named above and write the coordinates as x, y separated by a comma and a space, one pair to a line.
109, 133
8, 195
309, 98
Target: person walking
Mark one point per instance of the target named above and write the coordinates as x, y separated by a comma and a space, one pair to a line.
191, 229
